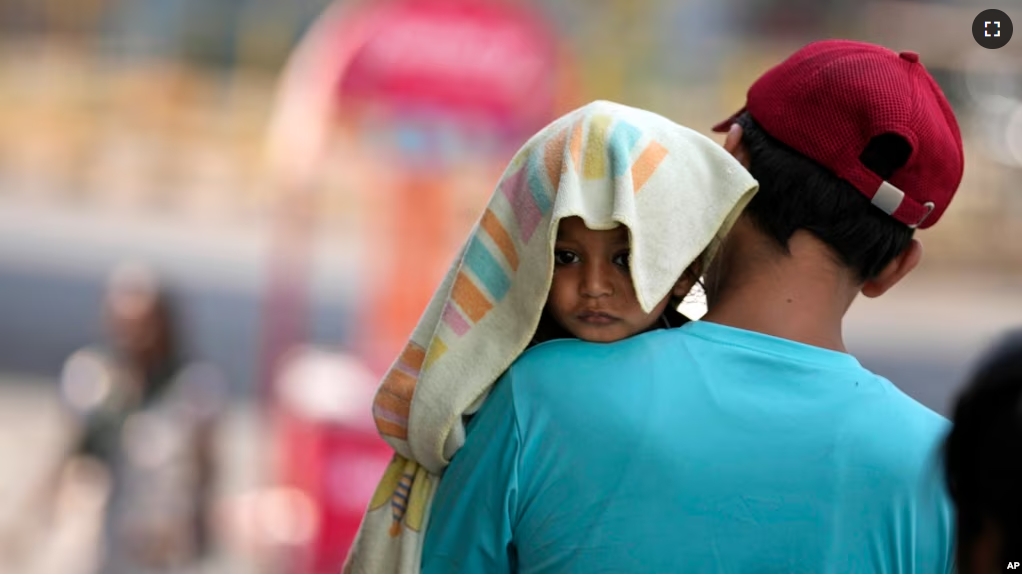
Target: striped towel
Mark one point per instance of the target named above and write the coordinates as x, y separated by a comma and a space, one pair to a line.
676, 190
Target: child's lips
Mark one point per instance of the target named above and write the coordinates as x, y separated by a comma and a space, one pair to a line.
596, 318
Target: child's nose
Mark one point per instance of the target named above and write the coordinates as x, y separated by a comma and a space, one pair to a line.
595, 282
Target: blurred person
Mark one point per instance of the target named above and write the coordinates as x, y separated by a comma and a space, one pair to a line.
983, 464
147, 414
599, 226
749, 441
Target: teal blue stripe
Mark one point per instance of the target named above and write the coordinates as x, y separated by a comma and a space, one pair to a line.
537, 173
487, 269
622, 139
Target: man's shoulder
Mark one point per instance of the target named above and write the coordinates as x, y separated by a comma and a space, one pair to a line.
898, 410
558, 366
894, 430
570, 353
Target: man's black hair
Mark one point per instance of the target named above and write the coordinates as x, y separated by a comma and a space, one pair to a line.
797, 193
982, 454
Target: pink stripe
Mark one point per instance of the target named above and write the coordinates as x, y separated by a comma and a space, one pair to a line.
522, 204
453, 319
390, 416
405, 368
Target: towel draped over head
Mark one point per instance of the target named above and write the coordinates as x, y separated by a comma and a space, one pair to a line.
677, 192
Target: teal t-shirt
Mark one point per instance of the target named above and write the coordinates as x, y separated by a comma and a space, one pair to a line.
699, 449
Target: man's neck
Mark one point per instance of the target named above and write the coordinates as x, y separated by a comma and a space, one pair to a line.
802, 297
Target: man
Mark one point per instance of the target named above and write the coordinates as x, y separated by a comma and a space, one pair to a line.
983, 464
751, 440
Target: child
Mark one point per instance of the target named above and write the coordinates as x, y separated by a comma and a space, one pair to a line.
591, 296
599, 224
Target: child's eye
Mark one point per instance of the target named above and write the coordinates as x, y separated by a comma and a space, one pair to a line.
565, 257
621, 259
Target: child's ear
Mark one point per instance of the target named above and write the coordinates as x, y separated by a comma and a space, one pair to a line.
689, 279
684, 283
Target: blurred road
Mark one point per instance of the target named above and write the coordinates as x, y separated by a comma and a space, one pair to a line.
54, 263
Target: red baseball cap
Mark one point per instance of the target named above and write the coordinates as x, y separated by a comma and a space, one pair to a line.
829, 99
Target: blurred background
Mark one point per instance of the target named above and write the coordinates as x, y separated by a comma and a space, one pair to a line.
220, 219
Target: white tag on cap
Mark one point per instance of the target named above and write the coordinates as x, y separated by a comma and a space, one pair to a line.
888, 198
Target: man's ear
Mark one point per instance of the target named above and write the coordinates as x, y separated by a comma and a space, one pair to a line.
899, 267
733, 144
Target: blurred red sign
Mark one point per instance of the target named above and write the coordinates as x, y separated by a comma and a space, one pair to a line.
486, 61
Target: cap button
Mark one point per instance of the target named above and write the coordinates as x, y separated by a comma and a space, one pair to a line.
908, 56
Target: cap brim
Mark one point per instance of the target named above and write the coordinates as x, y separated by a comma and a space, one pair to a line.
725, 126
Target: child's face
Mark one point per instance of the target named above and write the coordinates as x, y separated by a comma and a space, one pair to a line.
592, 295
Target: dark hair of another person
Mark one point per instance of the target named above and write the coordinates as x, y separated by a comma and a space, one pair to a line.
983, 454
797, 193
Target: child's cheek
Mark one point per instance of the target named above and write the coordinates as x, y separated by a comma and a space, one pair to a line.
559, 300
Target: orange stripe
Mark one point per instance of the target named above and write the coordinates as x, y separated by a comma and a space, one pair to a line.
500, 237
393, 403
413, 356
553, 157
576, 145
646, 164
392, 429
470, 299
399, 384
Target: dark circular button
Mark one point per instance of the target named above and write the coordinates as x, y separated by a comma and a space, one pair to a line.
909, 56
992, 29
